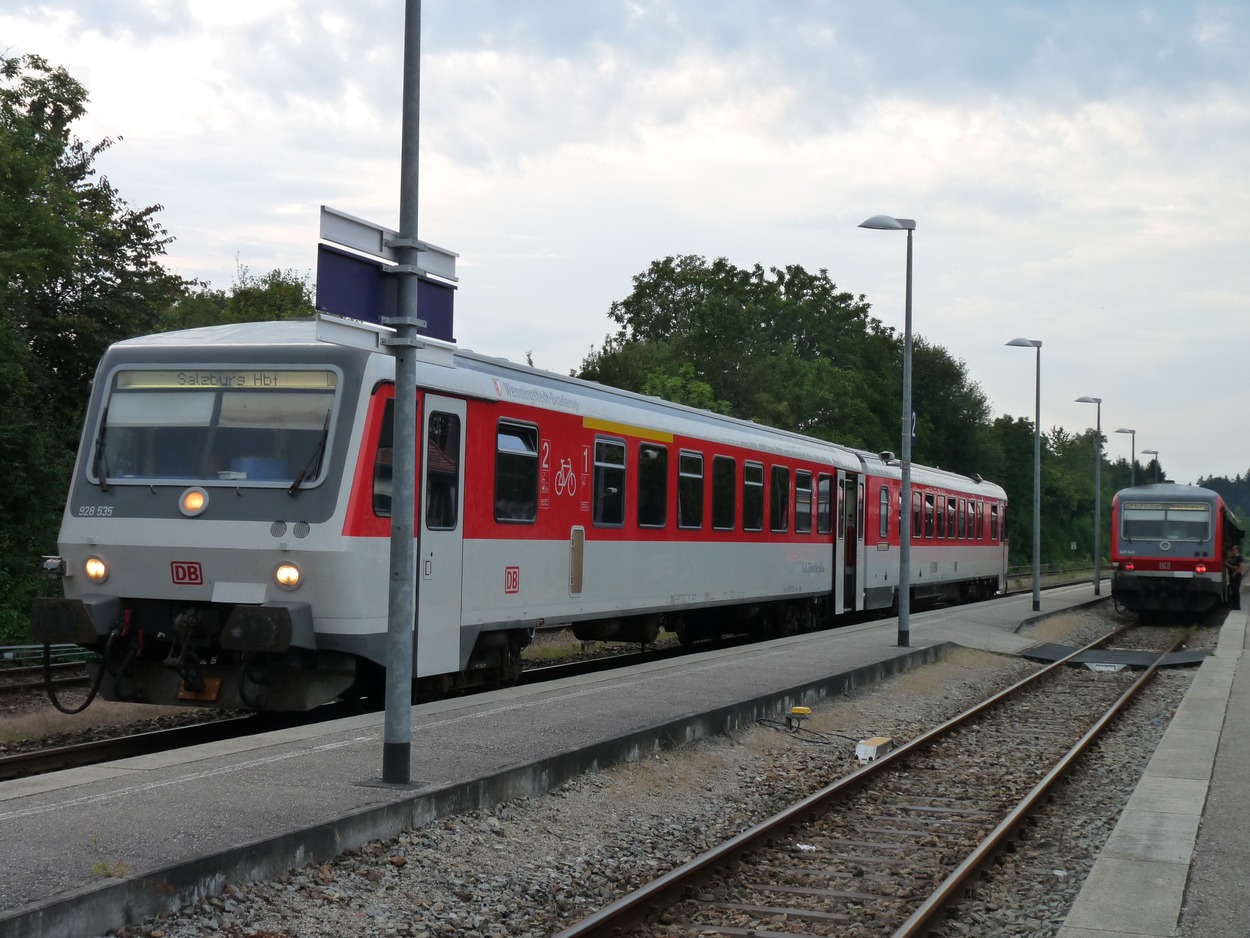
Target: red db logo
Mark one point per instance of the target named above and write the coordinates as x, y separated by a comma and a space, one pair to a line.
187, 573
512, 579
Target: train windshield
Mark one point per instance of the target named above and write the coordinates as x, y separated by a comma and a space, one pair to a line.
225, 426
1157, 521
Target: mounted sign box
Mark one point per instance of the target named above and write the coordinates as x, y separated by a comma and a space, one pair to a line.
360, 287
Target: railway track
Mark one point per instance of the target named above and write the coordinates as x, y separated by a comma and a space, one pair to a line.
889, 848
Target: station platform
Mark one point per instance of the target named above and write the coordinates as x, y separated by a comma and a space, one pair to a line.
96, 848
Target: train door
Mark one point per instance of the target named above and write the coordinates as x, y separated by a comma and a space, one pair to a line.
440, 555
851, 535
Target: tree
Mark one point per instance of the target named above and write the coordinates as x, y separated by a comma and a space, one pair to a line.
279, 294
79, 269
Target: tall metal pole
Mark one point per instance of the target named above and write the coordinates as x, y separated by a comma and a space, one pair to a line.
889, 223
1097, 493
1037, 486
400, 640
1132, 476
1037, 471
1098, 505
904, 515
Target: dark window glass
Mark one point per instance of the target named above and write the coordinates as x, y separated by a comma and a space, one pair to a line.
963, 518
752, 497
824, 515
724, 489
442, 471
993, 522
652, 485
950, 517
917, 502
929, 522
884, 530
609, 483
779, 500
382, 463
516, 472
690, 490
803, 501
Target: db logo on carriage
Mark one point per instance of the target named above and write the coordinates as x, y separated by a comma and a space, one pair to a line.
187, 573
512, 579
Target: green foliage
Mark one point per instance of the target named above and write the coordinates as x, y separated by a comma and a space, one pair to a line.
79, 270
279, 294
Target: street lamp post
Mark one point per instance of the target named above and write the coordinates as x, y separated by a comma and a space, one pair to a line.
889, 223
1037, 471
1132, 466
1097, 492
1155, 454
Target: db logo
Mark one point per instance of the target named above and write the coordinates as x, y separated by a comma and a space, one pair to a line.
512, 579
187, 573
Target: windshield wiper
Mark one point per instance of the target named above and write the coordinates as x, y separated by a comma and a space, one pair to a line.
314, 464
99, 465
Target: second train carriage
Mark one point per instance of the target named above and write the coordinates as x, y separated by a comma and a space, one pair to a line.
1168, 546
226, 534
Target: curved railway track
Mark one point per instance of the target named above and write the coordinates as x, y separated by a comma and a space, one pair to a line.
889, 848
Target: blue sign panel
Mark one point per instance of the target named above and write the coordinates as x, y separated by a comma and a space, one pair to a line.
354, 286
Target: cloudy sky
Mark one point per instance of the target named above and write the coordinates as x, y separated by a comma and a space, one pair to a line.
1077, 170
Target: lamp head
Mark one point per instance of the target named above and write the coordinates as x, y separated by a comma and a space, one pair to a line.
1126, 430
1026, 343
1089, 400
889, 223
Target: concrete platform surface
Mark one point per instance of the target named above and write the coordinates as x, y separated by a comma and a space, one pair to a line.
1176, 862
178, 826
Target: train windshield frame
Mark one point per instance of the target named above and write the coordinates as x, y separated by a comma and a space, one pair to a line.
266, 426
1165, 521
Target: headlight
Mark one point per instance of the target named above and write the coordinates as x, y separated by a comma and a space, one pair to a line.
193, 501
96, 569
288, 576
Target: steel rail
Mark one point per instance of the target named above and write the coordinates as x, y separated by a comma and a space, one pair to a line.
945, 895
632, 908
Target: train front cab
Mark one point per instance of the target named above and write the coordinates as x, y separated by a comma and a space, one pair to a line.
1168, 544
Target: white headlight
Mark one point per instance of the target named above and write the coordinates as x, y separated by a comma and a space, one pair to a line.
288, 576
96, 569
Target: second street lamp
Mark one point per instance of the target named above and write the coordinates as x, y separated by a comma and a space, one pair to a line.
1155, 454
1132, 466
1037, 471
889, 223
1097, 492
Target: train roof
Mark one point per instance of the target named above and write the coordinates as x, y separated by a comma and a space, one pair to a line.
478, 375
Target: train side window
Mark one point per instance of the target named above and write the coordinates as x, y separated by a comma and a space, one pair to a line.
609, 484
803, 502
993, 522
941, 518
917, 513
963, 518
652, 485
383, 461
779, 500
753, 496
690, 490
442, 471
724, 488
516, 472
883, 529
950, 518
930, 523
824, 515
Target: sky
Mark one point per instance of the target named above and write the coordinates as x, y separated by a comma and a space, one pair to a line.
1077, 171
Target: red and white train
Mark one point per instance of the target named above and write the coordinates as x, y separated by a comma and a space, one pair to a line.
1168, 547
226, 536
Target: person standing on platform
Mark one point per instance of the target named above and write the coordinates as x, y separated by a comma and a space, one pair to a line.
1234, 565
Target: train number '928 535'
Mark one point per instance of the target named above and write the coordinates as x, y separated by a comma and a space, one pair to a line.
95, 511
